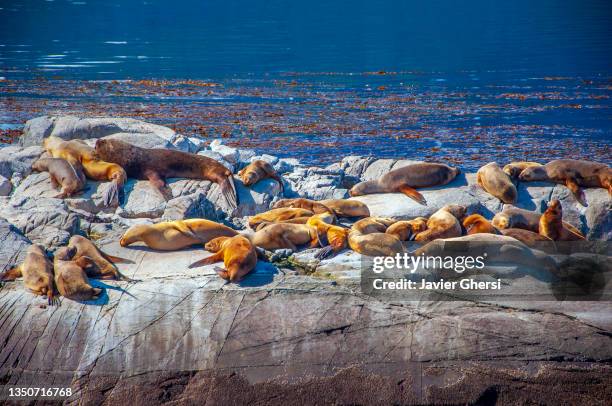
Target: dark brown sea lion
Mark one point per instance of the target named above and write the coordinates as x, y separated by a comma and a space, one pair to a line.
406, 179
78, 152
445, 223
176, 235
70, 278
572, 173
551, 224
258, 170
37, 272
158, 164
237, 253
104, 267
69, 176
497, 183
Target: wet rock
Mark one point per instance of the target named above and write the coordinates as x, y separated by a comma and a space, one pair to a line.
5, 186
13, 245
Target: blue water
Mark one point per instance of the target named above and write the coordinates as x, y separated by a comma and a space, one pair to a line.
211, 39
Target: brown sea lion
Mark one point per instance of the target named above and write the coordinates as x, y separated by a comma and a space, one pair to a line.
70, 278
332, 238
347, 208
302, 203
158, 164
284, 214
368, 237
406, 230
237, 253
445, 223
514, 217
406, 179
497, 183
572, 173
514, 169
285, 235
176, 235
37, 272
258, 170
67, 175
551, 224
477, 224
78, 152
104, 267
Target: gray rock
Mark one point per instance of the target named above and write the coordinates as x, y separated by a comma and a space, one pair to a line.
316, 183
36, 185
229, 154
286, 165
5, 186
355, 166
13, 245
35, 130
377, 169
142, 200
18, 161
217, 157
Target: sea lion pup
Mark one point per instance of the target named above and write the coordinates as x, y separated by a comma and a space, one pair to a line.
285, 235
69, 176
477, 224
78, 152
104, 267
406, 230
237, 253
37, 272
514, 169
176, 235
258, 170
445, 223
406, 179
281, 215
70, 278
514, 217
302, 203
551, 224
497, 183
572, 173
368, 237
158, 164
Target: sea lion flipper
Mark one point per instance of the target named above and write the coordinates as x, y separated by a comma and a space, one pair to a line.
413, 194
221, 272
111, 195
228, 189
85, 262
116, 260
11, 274
324, 252
280, 182
216, 257
573, 186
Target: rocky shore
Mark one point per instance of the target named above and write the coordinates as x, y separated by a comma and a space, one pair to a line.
306, 326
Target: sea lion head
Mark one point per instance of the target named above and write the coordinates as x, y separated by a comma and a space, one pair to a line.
554, 208
533, 173
133, 234
65, 253
475, 223
359, 189
107, 148
456, 210
40, 165
248, 177
215, 244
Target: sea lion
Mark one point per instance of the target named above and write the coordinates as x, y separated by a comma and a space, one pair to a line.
406, 230
497, 183
70, 278
347, 208
302, 203
477, 224
514, 217
445, 223
176, 235
332, 238
158, 164
283, 214
551, 224
572, 173
258, 170
104, 267
78, 152
514, 169
67, 175
285, 235
237, 253
368, 237
406, 179
37, 272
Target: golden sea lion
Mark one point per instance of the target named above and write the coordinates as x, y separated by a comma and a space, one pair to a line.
347, 208
332, 238
406, 230
70, 278
104, 267
368, 237
237, 253
572, 173
445, 223
285, 235
497, 183
67, 175
157, 164
302, 203
551, 224
514, 169
514, 217
78, 152
37, 272
284, 214
477, 224
406, 179
258, 170
176, 235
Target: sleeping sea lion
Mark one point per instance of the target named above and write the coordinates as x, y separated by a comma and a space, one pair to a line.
406, 179
285, 235
302, 203
514, 217
237, 253
176, 235
340, 207
551, 224
332, 238
406, 230
70, 278
477, 224
368, 237
37, 272
69, 176
514, 169
497, 183
78, 152
258, 170
445, 223
281, 215
158, 164
104, 267
572, 173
